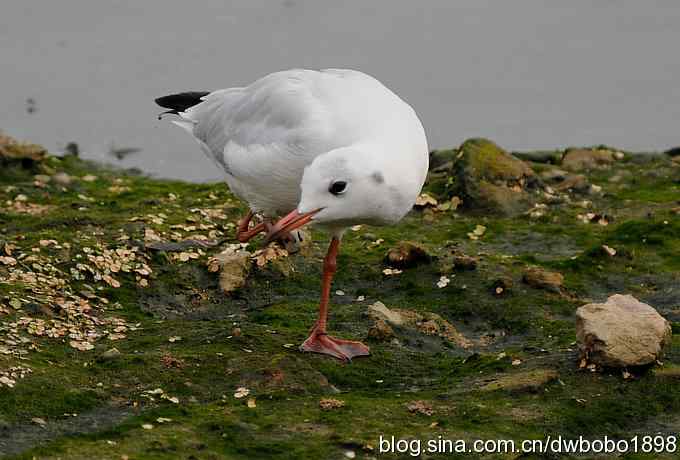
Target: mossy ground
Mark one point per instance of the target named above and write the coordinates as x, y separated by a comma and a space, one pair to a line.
532, 327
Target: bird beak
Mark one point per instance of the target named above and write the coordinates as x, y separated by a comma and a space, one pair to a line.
289, 223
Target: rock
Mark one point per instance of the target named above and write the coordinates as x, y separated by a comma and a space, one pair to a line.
407, 254
378, 310
490, 179
12, 150
576, 182
381, 331
425, 323
61, 178
530, 381
621, 332
586, 159
432, 324
110, 355
543, 279
233, 267
465, 262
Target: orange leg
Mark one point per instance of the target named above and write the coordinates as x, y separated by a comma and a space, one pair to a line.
244, 233
319, 341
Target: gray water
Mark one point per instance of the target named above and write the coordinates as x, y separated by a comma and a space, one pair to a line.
528, 74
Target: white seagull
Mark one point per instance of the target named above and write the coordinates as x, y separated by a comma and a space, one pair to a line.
333, 147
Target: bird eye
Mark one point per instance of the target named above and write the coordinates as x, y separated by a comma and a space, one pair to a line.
338, 187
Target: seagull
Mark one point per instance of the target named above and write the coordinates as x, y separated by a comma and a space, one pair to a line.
333, 148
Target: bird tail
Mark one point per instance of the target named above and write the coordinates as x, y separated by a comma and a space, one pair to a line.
180, 102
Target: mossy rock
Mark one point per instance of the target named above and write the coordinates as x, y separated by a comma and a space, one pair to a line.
491, 180
13, 151
587, 159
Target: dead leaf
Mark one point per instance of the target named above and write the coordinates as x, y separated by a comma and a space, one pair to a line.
331, 403
609, 250
477, 232
425, 199
241, 392
272, 252
81, 345
420, 407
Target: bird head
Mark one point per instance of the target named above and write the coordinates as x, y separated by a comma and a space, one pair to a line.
350, 186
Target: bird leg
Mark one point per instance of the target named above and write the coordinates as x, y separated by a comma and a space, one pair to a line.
319, 341
244, 233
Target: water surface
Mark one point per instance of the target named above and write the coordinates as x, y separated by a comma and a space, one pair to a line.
528, 74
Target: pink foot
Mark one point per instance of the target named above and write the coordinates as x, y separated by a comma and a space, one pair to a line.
344, 350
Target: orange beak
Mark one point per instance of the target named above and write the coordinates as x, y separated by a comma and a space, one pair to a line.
289, 223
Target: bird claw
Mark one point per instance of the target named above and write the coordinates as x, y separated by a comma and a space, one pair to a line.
344, 350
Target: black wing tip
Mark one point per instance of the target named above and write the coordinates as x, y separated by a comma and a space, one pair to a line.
179, 102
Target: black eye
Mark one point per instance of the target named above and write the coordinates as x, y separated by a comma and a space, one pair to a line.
338, 187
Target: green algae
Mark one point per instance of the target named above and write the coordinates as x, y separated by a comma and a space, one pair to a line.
274, 311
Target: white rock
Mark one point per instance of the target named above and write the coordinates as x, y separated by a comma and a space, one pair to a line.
379, 310
621, 332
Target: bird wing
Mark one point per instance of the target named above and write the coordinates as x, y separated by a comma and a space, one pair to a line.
294, 112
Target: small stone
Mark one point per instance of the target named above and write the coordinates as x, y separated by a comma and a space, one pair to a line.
61, 178
586, 159
110, 355
39, 421
407, 254
609, 250
381, 331
464, 262
380, 311
575, 182
622, 332
543, 279
233, 267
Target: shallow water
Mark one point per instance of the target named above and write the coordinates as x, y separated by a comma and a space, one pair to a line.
527, 74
